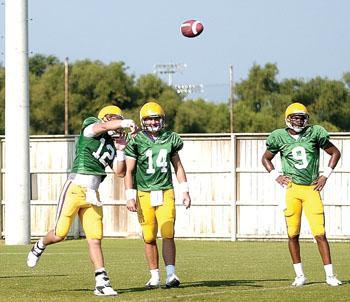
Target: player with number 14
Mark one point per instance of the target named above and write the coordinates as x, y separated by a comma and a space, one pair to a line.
149, 188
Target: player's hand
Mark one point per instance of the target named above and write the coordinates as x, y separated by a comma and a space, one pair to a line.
319, 183
120, 142
131, 205
134, 129
186, 200
283, 180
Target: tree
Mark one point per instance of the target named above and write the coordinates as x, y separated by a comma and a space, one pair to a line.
47, 101
38, 64
257, 88
259, 107
198, 116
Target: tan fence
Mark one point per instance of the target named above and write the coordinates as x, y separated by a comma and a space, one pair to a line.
232, 195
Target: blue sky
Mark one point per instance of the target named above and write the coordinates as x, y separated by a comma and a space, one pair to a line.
305, 38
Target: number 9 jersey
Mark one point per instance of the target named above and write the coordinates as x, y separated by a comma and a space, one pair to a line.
300, 154
153, 169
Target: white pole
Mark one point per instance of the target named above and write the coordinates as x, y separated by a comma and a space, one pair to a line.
17, 178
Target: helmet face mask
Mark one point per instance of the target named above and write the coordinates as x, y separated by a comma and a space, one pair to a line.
297, 122
296, 117
152, 117
153, 124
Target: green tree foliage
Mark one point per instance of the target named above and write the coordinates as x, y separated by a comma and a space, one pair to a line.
38, 64
151, 88
94, 85
260, 99
198, 116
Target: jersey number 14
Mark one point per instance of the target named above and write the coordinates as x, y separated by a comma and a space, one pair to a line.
161, 161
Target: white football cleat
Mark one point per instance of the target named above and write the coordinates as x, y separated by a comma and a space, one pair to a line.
333, 281
105, 291
299, 281
172, 281
153, 283
34, 255
103, 286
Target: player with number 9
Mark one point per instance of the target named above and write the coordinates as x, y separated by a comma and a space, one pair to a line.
299, 147
149, 188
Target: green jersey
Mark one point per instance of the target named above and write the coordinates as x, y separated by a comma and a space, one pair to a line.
300, 156
93, 154
153, 167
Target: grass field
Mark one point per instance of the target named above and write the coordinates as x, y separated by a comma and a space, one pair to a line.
209, 271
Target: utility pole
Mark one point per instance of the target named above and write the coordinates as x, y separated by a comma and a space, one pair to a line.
66, 95
231, 98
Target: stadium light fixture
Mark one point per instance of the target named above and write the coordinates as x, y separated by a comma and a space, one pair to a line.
169, 69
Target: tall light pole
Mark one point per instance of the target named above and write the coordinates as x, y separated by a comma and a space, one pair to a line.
169, 69
231, 98
66, 95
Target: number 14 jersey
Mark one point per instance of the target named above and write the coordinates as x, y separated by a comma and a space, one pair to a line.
153, 167
299, 156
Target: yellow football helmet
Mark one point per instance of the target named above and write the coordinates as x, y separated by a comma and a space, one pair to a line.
111, 109
296, 117
152, 110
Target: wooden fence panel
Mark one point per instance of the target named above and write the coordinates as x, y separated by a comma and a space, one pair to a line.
232, 195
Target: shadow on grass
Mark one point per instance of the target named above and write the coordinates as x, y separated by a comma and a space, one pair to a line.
206, 283
344, 282
31, 276
209, 283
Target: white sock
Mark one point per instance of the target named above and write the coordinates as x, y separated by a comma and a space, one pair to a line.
154, 273
170, 269
328, 268
41, 243
298, 268
99, 270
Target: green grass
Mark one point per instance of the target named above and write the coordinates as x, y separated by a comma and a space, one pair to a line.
209, 271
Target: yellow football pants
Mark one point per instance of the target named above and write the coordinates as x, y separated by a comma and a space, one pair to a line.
152, 218
299, 198
72, 202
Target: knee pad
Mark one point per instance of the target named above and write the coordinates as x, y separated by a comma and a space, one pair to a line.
293, 231
293, 223
149, 239
62, 227
149, 233
167, 229
316, 223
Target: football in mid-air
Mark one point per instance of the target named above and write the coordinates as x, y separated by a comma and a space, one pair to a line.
191, 28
